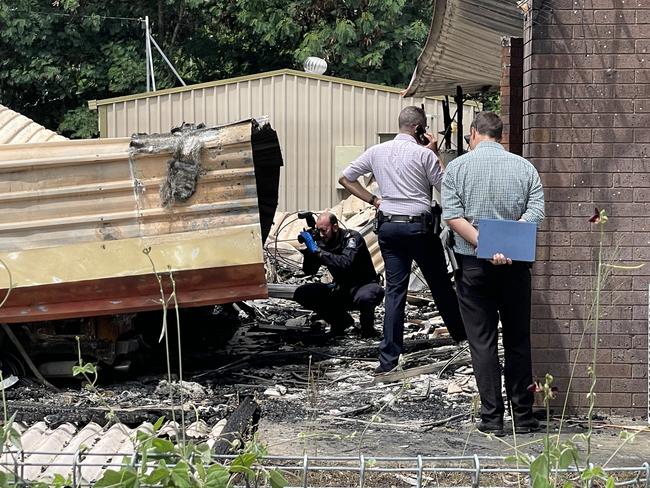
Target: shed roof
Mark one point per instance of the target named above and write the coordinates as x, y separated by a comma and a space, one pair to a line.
18, 129
463, 47
93, 104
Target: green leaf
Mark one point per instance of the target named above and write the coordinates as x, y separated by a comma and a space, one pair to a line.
162, 445
201, 472
159, 423
278, 481
519, 458
539, 472
125, 478
162, 472
86, 368
14, 438
180, 475
242, 469
598, 471
567, 455
58, 481
245, 459
218, 476
204, 452
611, 483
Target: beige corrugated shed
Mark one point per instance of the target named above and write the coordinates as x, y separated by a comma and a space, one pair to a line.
18, 129
322, 122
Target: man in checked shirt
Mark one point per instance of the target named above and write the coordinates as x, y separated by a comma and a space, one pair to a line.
405, 171
489, 182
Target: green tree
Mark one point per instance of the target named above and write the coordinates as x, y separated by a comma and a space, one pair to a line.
368, 40
55, 55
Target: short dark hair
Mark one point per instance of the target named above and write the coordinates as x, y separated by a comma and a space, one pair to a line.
330, 217
488, 124
411, 116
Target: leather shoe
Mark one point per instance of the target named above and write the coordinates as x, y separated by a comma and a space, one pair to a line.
381, 370
527, 426
492, 427
338, 328
369, 333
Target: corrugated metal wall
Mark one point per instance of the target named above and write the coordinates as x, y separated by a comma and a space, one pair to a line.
312, 115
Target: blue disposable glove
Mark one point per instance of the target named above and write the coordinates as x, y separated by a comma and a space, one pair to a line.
309, 241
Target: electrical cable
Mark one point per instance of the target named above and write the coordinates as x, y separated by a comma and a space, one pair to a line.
60, 14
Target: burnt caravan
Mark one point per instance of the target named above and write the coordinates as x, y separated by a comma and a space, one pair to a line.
95, 232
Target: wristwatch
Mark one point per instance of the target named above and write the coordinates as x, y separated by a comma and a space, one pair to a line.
373, 199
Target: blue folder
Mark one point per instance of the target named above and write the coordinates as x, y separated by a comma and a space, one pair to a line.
515, 240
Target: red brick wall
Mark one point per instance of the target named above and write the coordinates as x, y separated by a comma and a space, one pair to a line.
587, 130
512, 91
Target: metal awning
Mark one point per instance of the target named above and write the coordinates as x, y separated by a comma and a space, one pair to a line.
464, 46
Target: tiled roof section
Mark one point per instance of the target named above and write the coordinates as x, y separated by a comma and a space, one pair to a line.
91, 449
464, 46
18, 129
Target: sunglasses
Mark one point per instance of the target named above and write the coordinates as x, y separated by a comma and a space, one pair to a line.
466, 139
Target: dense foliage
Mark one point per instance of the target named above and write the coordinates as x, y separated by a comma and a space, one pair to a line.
55, 55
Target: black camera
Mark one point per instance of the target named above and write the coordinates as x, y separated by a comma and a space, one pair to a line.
311, 226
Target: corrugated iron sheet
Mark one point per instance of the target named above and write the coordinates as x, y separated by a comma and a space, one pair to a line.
18, 129
76, 216
89, 450
314, 115
464, 46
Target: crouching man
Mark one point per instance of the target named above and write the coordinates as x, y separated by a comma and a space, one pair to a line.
355, 285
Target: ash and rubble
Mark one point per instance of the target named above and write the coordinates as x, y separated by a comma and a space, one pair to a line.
285, 360
317, 394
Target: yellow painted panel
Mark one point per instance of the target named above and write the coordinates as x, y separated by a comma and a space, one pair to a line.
229, 246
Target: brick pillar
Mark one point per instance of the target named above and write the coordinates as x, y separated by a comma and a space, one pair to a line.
587, 130
512, 77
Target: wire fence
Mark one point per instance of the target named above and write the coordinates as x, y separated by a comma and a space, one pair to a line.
83, 469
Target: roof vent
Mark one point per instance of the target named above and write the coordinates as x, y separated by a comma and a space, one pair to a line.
315, 65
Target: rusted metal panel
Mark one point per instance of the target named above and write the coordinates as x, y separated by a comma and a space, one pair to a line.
77, 216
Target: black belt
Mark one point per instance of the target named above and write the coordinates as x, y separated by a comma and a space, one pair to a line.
402, 218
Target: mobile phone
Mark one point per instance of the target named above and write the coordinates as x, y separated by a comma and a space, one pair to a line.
420, 136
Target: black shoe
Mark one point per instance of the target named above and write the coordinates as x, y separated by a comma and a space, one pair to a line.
337, 331
338, 327
527, 426
369, 333
493, 427
381, 369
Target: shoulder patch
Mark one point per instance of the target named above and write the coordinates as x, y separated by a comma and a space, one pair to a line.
352, 242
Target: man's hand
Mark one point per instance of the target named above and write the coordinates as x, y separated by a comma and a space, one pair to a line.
309, 241
433, 144
499, 259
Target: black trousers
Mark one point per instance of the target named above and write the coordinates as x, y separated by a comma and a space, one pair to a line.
332, 304
401, 244
486, 293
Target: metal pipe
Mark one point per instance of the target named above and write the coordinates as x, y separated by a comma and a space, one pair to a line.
171, 66
149, 55
146, 50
